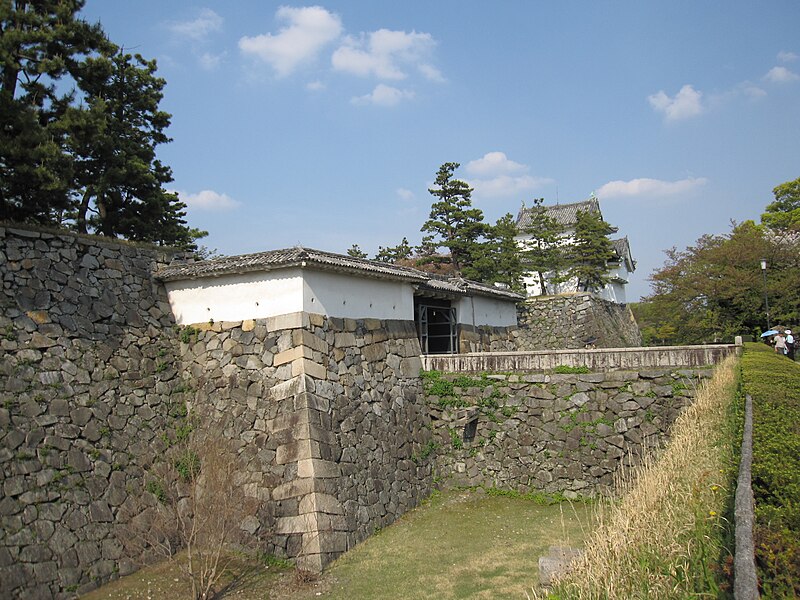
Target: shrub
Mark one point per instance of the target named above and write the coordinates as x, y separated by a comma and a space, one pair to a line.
774, 384
200, 508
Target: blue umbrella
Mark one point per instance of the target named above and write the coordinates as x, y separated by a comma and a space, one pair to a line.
769, 333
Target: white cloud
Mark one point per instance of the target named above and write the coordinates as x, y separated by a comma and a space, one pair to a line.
431, 73
781, 75
687, 103
751, 90
405, 195
649, 187
209, 61
385, 54
197, 29
492, 164
384, 95
208, 200
309, 29
495, 176
784, 56
315, 86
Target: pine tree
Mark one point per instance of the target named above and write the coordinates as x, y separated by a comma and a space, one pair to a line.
543, 252
453, 223
119, 181
41, 42
499, 258
590, 251
356, 252
392, 254
89, 163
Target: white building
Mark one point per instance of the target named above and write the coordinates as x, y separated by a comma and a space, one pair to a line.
295, 280
565, 215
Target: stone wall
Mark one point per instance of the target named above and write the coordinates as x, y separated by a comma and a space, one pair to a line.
326, 414
486, 338
557, 433
329, 416
567, 321
87, 382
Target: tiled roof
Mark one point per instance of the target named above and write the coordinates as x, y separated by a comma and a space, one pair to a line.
465, 287
305, 257
288, 257
564, 214
623, 250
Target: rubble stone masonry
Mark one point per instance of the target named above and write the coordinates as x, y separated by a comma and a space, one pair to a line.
336, 435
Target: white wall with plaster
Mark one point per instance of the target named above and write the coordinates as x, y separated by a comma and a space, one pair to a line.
236, 297
342, 295
480, 310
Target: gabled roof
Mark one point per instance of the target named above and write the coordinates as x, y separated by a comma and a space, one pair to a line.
466, 287
564, 214
328, 261
285, 258
622, 248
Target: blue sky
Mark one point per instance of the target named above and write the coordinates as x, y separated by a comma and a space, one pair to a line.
324, 125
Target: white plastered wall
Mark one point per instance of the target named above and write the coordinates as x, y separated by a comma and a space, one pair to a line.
269, 294
478, 310
341, 295
236, 297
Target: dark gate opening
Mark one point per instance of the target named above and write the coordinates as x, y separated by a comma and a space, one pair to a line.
436, 325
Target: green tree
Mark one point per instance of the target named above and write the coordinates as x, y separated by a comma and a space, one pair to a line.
454, 224
393, 254
714, 290
784, 213
543, 251
356, 252
85, 158
41, 43
118, 181
590, 251
498, 257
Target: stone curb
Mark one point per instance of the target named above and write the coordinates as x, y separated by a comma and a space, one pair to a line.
745, 586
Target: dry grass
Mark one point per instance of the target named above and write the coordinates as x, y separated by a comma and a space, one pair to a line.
663, 539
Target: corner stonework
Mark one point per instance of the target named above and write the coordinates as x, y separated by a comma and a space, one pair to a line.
308, 443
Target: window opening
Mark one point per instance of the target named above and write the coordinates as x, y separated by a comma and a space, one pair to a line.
470, 430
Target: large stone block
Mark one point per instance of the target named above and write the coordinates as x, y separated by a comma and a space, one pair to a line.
292, 354
288, 321
303, 337
295, 488
344, 340
291, 387
308, 367
312, 467
296, 451
324, 503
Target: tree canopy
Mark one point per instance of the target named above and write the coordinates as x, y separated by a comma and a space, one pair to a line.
589, 252
85, 158
453, 224
542, 253
715, 289
784, 213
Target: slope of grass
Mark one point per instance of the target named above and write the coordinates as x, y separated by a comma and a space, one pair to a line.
774, 383
667, 536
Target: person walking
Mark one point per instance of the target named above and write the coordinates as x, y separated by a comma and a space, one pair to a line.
780, 343
789, 344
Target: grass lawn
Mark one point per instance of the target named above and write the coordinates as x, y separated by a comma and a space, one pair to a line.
458, 545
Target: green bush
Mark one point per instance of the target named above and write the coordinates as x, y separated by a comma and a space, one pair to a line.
774, 384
